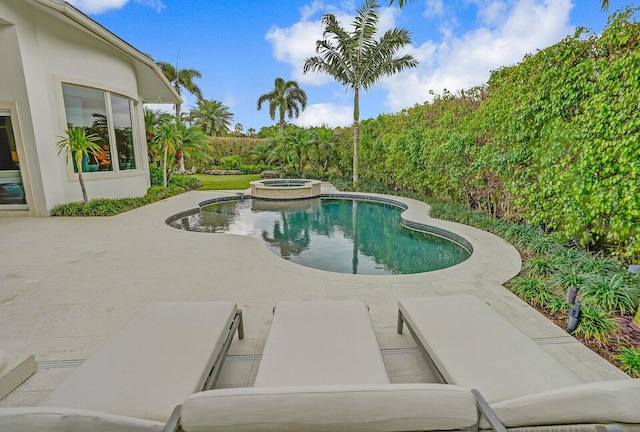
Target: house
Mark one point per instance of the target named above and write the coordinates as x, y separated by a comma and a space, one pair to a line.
60, 68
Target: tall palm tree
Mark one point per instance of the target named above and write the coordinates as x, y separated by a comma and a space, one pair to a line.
213, 117
166, 138
76, 144
285, 97
357, 60
181, 79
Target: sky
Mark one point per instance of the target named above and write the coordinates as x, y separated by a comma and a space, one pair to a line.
241, 47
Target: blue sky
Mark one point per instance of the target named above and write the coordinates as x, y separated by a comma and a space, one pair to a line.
242, 46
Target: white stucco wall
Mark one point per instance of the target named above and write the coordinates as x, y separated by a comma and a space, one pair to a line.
47, 54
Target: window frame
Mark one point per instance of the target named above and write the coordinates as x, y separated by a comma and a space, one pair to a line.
107, 91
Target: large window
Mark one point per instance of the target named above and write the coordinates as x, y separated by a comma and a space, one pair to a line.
11, 188
108, 116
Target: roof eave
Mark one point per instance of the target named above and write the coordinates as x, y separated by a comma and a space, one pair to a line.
143, 62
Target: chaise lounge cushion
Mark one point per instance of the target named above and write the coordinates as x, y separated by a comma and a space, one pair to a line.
160, 357
390, 407
321, 343
616, 401
473, 346
70, 420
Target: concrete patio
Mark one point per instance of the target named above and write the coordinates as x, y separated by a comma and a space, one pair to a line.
68, 284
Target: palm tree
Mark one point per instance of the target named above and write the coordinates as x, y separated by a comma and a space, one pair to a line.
213, 117
324, 140
285, 97
357, 60
181, 79
297, 142
167, 139
192, 143
78, 145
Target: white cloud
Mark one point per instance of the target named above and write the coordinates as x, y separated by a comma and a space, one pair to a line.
326, 113
459, 62
100, 6
461, 58
434, 8
154, 4
296, 43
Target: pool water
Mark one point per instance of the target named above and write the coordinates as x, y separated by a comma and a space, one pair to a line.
338, 235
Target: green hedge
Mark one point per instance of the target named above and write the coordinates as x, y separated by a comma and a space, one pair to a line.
111, 207
553, 141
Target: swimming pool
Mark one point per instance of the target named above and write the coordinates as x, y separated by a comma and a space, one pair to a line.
338, 235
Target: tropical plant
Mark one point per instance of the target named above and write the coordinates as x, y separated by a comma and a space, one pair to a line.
324, 141
297, 142
630, 359
167, 140
212, 116
77, 145
534, 291
181, 79
596, 324
611, 294
192, 143
287, 98
357, 60
539, 266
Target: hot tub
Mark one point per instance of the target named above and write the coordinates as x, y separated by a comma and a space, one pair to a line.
285, 189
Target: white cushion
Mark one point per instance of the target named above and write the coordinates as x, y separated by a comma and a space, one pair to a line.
160, 357
321, 343
391, 407
70, 420
473, 346
616, 401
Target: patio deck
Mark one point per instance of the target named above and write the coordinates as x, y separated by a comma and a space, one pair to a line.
68, 284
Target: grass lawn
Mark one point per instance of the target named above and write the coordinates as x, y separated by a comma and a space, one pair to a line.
224, 182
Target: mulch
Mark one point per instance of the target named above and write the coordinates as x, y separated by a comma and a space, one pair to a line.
627, 335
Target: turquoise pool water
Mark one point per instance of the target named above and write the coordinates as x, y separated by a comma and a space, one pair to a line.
338, 235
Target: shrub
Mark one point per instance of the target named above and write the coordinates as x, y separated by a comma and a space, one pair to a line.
539, 266
596, 324
531, 290
630, 360
611, 294
222, 172
270, 174
156, 175
111, 207
185, 181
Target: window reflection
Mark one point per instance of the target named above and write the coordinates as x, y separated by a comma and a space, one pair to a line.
121, 109
110, 122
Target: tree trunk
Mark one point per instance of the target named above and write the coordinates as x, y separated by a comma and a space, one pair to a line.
356, 135
281, 123
164, 166
82, 186
85, 198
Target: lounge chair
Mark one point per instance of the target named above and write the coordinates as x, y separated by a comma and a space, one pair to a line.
470, 345
322, 370
165, 353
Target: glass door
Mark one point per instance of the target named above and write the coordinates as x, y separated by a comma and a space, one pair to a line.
11, 188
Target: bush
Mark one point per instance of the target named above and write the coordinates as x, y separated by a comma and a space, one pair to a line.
630, 359
185, 181
111, 207
270, 174
156, 175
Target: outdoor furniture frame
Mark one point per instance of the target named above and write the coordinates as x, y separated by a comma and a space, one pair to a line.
165, 353
469, 344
